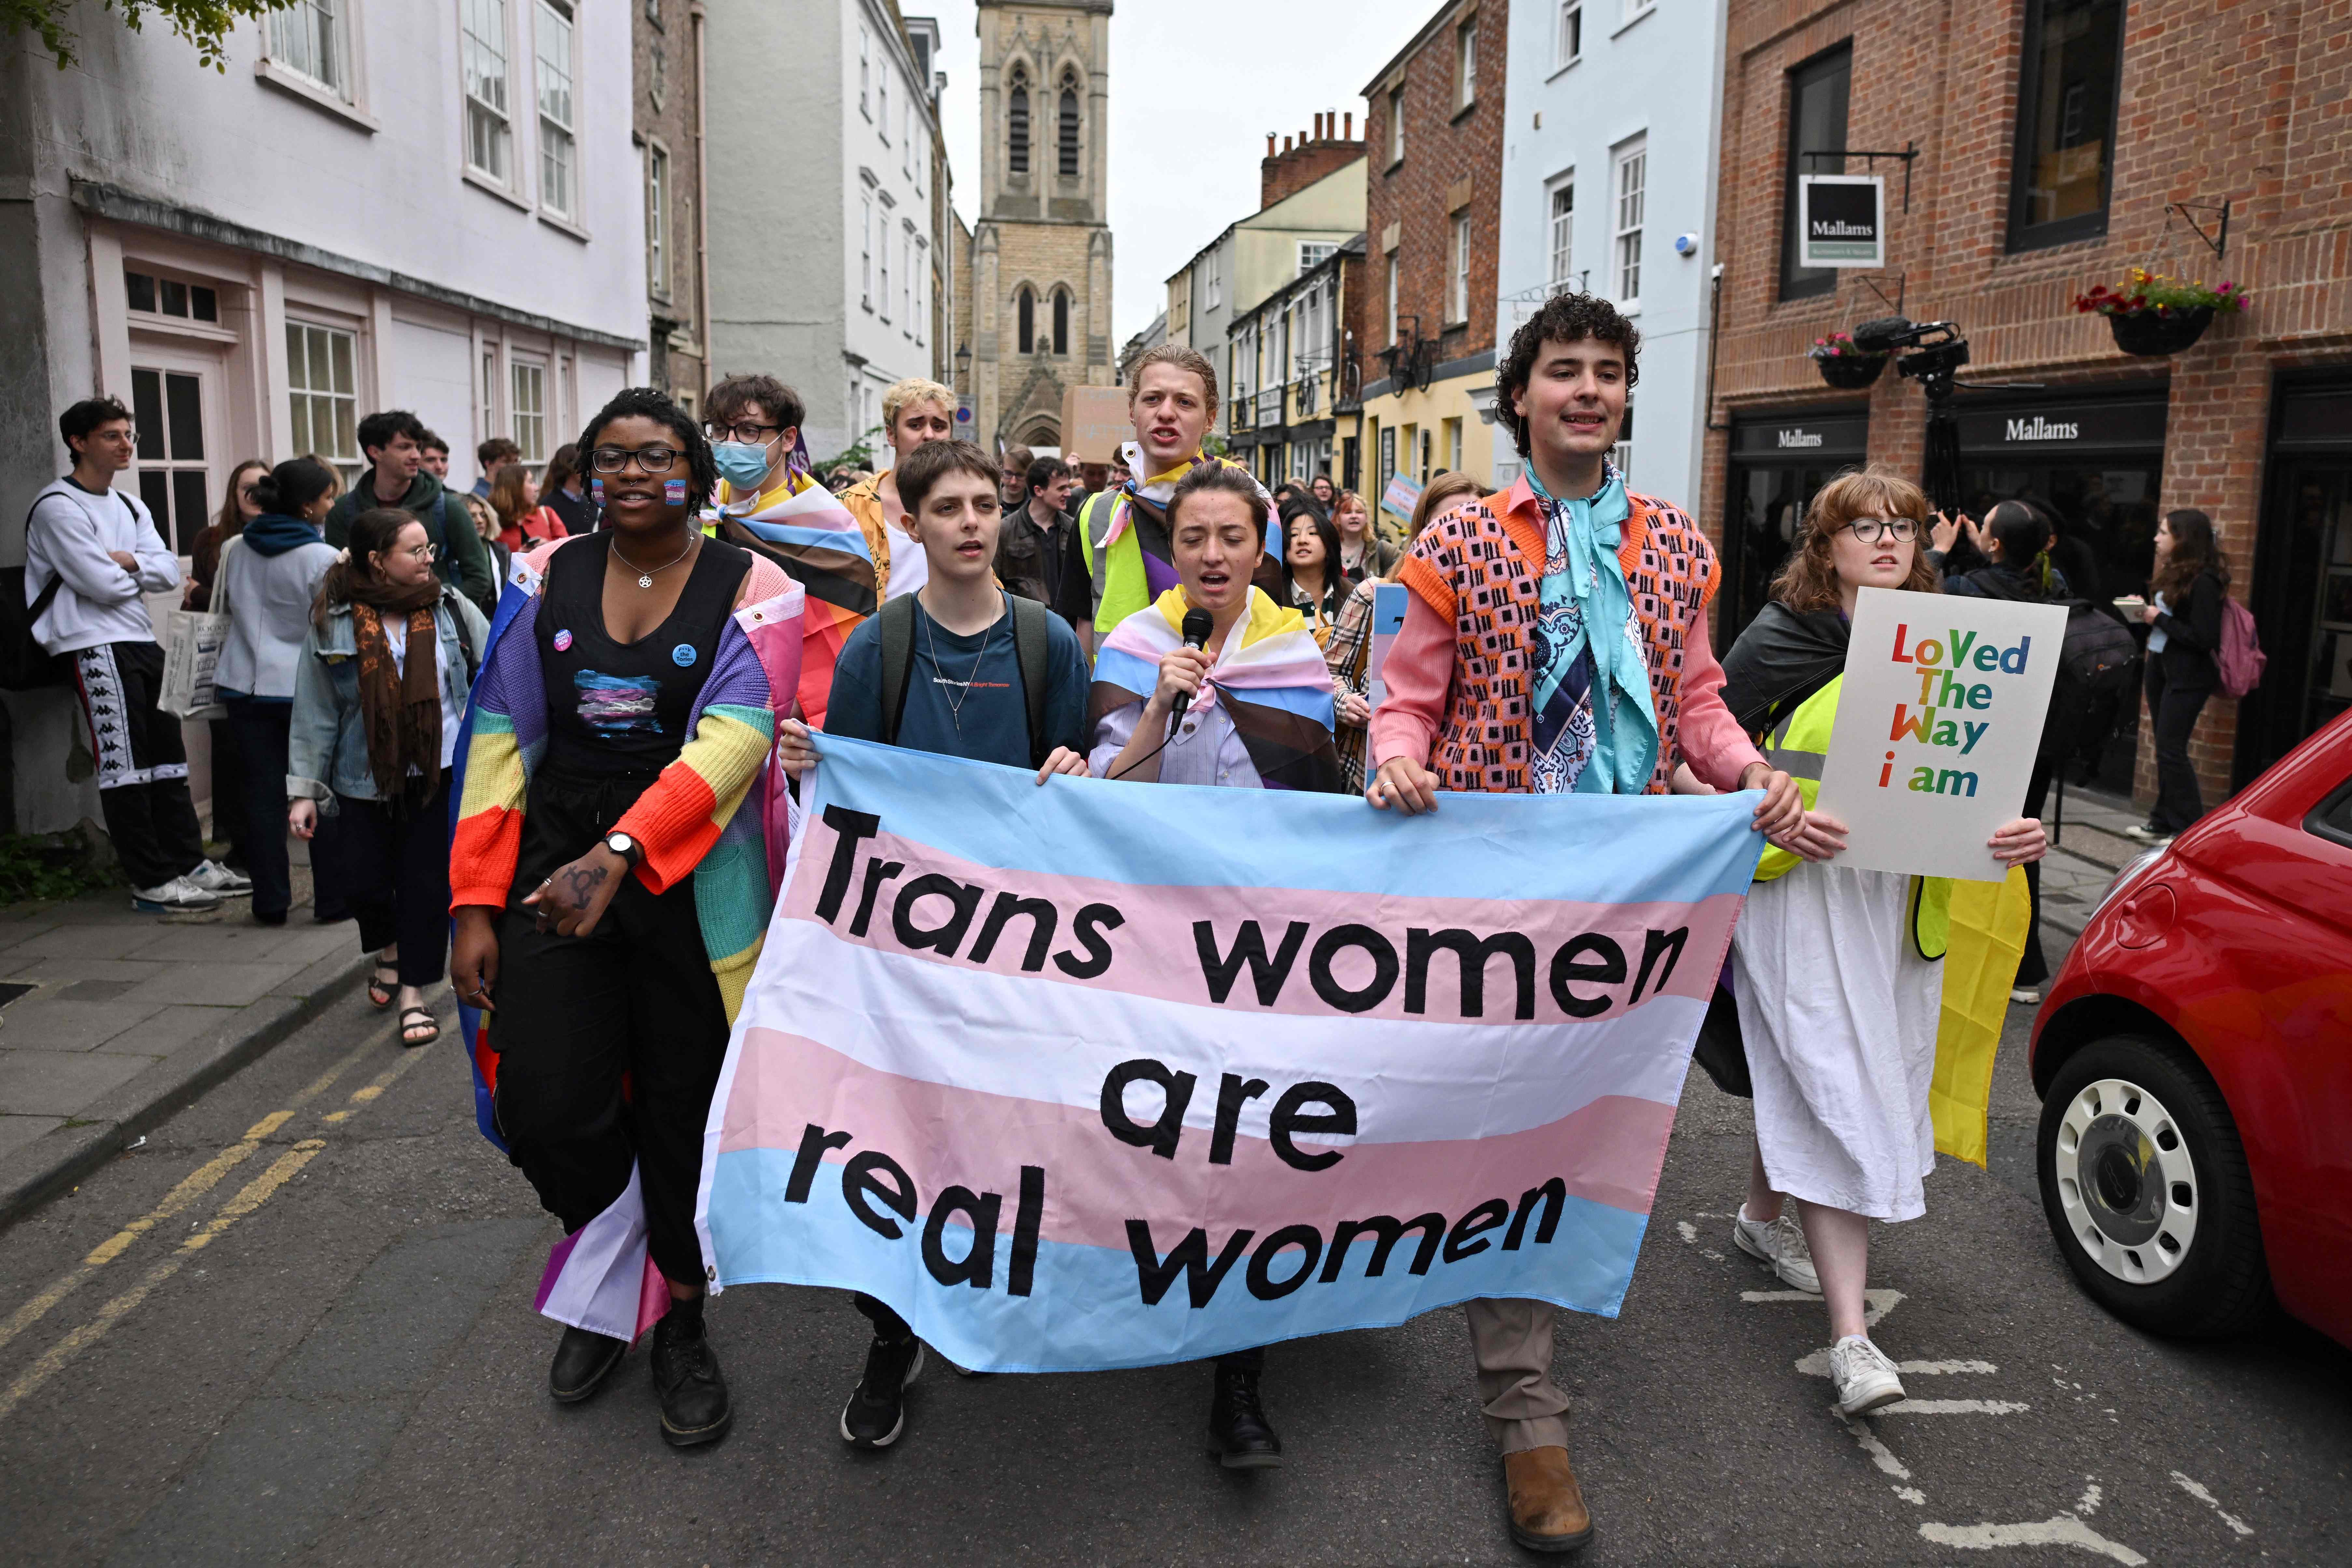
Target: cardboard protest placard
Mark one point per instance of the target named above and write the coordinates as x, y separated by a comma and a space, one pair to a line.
1388, 619
1095, 420
1940, 715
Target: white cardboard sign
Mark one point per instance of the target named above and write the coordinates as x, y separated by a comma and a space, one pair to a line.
1939, 716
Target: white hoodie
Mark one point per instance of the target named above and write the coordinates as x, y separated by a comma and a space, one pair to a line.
71, 534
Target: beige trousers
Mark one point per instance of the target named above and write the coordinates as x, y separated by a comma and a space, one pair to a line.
1512, 1342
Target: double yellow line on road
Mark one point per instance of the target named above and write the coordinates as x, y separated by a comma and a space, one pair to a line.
199, 1182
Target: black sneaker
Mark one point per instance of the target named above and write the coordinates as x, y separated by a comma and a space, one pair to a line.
877, 1412
583, 1362
694, 1404
1240, 1436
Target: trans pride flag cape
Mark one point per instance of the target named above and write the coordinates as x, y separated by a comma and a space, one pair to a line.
1100, 1075
812, 535
1270, 676
732, 844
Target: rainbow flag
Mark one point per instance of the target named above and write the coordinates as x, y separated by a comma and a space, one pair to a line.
812, 535
1270, 677
1105, 1075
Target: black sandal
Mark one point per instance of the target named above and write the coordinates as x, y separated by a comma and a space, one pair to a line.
383, 985
418, 1018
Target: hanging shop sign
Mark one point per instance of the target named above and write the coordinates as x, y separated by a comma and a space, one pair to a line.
1843, 218
2103, 425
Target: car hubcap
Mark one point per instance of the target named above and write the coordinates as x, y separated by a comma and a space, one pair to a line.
2125, 1182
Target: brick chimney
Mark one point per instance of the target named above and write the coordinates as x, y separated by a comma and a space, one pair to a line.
1306, 158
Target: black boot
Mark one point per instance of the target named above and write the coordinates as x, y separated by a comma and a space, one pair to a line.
1240, 1436
583, 1362
694, 1404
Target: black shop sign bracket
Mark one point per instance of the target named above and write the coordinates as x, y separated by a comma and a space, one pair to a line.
1907, 157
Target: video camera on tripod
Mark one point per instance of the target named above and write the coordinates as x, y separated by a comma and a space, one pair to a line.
1938, 351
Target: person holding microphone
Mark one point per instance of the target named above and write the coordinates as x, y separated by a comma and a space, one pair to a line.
1215, 683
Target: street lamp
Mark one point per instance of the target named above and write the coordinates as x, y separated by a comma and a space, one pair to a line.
963, 360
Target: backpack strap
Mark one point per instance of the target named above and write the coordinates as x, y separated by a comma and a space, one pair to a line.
1030, 643
898, 617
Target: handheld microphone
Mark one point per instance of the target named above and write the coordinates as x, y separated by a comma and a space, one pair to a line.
1198, 626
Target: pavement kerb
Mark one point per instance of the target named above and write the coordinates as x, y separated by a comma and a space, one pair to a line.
59, 1159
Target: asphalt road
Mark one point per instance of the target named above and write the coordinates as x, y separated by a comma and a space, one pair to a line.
315, 1343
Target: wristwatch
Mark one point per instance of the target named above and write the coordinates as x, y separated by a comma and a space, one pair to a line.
626, 848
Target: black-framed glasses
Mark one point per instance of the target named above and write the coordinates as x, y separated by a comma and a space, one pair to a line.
754, 435
649, 460
1872, 529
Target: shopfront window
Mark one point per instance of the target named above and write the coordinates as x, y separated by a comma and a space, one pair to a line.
2065, 121
1777, 461
2302, 590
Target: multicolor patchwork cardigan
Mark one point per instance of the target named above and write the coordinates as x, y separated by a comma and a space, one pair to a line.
717, 814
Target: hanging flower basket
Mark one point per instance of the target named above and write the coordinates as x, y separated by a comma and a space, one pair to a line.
1844, 367
2154, 314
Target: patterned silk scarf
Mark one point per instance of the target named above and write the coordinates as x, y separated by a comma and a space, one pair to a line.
1596, 729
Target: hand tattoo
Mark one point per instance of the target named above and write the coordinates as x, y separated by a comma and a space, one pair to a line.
581, 882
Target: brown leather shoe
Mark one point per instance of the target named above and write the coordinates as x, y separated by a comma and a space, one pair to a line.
1548, 1511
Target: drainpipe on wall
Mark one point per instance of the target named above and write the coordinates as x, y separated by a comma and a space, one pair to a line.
696, 14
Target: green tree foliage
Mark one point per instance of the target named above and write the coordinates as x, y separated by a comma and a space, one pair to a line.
203, 23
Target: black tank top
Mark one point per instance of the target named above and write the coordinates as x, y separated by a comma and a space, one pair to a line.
616, 709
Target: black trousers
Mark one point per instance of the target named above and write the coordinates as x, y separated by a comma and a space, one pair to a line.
2032, 969
576, 1017
2172, 710
142, 762
393, 869
230, 825
259, 735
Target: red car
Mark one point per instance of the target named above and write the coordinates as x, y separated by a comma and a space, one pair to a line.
2194, 1060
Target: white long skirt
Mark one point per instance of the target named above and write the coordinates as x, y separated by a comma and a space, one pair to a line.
1839, 1013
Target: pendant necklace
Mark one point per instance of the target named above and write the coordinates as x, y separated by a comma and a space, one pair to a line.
955, 703
645, 577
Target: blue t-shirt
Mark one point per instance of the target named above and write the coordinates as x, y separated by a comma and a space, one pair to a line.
983, 669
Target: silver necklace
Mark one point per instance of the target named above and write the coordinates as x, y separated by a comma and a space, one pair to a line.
955, 703
645, 577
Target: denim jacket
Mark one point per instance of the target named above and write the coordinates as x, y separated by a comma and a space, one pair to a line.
327, 752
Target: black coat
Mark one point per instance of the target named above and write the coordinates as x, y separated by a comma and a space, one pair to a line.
2192, 635
1048, 568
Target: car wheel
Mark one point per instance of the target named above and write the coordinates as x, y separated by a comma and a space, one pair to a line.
2144, 1183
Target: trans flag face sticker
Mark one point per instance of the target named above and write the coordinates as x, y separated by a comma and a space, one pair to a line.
563, 642
617, 704
674, 491
596, 489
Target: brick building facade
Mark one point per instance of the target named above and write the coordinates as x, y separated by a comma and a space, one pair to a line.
1433, 131
2053, 137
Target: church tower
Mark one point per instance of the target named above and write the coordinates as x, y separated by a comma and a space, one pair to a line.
1041, 252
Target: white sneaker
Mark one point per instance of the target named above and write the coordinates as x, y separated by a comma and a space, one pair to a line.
1865, 1378
1780, 1244
215, 877
2026, 996
179, 893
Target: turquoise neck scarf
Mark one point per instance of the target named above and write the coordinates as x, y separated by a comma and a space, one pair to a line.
1624, 722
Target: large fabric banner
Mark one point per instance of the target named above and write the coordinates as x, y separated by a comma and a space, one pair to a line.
1103, 1075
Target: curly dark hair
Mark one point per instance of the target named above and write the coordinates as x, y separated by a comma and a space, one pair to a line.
1564, 318
651, 403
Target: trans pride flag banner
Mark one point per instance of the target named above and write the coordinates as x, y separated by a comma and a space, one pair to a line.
1104, 1075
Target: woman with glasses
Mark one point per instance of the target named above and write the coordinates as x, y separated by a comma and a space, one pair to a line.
607, 910
1837, 971
379, 696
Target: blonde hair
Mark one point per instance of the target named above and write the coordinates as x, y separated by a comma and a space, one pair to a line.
1809, 582
1444, 488
1183, 358
914, 389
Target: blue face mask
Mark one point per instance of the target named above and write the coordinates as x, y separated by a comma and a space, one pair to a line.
742, 464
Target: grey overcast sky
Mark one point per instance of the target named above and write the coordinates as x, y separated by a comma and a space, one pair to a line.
1194, 87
